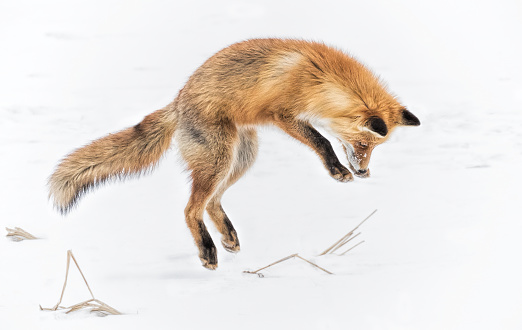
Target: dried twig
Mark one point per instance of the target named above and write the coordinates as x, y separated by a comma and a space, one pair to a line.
295, 255
69, 253
18, 234
345, 238
345, 242
274, 263
95, 304
311, 263
353, 247
105, 308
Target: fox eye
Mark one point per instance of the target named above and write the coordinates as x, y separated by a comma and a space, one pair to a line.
362, 144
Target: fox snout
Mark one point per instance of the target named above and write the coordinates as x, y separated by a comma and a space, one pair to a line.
358, 158
363, 173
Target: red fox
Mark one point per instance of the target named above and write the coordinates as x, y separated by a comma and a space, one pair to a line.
292, 84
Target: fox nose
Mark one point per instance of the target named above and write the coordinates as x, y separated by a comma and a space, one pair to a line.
362, 171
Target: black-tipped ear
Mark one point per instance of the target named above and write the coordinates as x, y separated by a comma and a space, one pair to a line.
377, 125
409, 119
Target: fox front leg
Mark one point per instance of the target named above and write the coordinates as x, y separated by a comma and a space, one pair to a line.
330, 161
308, 135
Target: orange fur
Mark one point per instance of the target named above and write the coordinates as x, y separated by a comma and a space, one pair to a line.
292, 84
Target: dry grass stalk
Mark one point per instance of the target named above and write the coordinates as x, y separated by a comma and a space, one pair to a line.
345, 238
295, 255
18, 234
94, 304
353, 247
311, 263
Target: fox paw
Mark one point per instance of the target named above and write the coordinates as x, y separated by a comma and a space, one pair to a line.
231, 246
208, 257
340, 173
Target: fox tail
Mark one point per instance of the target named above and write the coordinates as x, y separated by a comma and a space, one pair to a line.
129, 152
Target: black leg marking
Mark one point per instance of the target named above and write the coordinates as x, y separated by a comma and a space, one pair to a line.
207, 249
337, 170
321, 143
230, 241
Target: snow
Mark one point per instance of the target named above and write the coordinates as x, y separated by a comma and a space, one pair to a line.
442, 252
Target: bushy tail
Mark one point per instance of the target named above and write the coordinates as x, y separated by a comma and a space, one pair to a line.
119, 155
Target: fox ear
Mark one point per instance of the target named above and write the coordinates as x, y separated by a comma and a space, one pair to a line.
377, 125
409, 119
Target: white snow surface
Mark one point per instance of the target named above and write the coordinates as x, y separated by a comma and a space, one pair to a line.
442, 252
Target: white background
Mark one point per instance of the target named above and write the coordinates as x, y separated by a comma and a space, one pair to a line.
442, 252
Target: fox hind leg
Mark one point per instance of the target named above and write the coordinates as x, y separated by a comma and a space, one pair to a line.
244, 156
209, 158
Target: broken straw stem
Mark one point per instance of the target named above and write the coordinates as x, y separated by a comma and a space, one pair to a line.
69, 252
65, 282
347, 235
286, 258
78, 306
101, 307
19, 233
107, 307
336, 243
311, 263
353, 247
345, 242
274, 263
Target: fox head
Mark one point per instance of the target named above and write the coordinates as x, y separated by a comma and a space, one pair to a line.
362, 131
